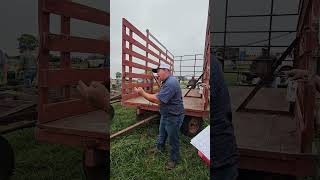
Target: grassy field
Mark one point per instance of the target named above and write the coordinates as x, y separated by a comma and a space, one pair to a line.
43, 161
129, 157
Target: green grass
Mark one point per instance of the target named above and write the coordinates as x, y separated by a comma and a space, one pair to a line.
130, 158
43, 161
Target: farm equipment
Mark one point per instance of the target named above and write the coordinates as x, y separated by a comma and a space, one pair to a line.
140, 54
272, 134
68, 119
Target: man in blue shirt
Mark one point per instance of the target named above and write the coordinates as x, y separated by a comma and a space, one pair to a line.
171, 109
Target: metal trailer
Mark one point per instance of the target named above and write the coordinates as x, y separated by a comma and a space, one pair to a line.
142, 52
272, 134
69, 119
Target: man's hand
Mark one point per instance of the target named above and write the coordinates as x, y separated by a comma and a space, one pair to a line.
138, 90
298, 74
96, 94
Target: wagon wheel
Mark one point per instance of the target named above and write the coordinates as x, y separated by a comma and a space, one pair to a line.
6, 159
191, 126
101, 170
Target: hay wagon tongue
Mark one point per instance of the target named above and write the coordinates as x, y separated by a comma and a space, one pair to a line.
143, 52
68, 119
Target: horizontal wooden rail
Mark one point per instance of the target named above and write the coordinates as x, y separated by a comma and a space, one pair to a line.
77, 11
56, 42
57, 77
65, 109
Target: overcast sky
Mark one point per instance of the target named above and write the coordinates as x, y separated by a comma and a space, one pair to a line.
180, 25
18, 17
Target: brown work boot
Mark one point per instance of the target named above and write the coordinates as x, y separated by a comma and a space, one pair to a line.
171, 165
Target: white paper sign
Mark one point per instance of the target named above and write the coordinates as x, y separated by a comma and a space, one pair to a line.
202, 142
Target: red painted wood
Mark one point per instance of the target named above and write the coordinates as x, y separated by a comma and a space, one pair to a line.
144, 37
65, 56
43, 60
65, 109
145, 48
65, 76
132, 85
57, 77
135, 65
139, 56
47, 135
77, 11
76, 44
135, 75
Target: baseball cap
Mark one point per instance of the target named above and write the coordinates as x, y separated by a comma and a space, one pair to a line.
162, 66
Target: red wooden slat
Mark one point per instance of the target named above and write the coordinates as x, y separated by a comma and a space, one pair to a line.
129, 96
48, 135
65, 56
65, 109
135, 65
135, 75
141, 46
77, 11
139, 56
76, 44
132, 85
44, 22
58, 77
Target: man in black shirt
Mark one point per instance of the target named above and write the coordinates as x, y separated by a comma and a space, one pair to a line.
224, 153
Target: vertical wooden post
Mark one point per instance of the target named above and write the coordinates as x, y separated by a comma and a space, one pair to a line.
130, 58
123, 87
43, 61
147, 55
65, 56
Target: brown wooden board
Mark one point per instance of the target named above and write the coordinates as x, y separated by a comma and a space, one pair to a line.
193, 105
268, 138
89, 125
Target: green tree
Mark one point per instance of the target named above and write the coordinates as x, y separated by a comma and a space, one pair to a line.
27, 42
118, 75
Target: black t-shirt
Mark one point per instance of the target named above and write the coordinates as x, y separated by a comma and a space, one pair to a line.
223, 143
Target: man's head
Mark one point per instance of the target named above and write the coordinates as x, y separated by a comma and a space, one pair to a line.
163, 71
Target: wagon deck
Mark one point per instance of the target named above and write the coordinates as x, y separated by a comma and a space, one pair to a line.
193, 105
273, 141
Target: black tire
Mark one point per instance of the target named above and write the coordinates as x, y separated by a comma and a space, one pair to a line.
191, 126
6, 159
102, 170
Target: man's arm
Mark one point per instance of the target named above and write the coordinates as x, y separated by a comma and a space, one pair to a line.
150, 97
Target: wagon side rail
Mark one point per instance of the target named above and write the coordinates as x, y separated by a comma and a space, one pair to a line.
140, 54
65, 76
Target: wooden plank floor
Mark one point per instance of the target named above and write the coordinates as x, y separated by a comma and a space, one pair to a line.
265, 132
92, 122
190, 103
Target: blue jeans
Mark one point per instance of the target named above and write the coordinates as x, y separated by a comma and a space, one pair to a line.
169, 128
